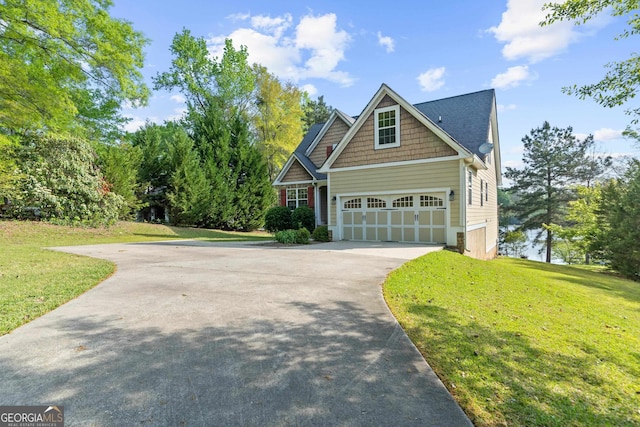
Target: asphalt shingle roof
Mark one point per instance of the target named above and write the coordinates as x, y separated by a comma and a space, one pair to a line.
302, 148
465, 117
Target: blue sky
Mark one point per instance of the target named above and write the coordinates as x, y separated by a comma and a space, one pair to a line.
423, 50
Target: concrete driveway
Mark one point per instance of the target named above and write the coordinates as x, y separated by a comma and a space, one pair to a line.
220, 334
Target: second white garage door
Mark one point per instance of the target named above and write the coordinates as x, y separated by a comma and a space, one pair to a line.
399, 218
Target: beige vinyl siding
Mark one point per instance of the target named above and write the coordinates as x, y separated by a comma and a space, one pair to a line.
416, 142
400, 178
296, 173
333, 136
477, 214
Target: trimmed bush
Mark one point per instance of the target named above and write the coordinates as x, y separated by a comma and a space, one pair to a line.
321, 234
302, 236
303, 216
286, 236
278, 218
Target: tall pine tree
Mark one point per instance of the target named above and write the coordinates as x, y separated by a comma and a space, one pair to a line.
188, 187
253, 193
554, 160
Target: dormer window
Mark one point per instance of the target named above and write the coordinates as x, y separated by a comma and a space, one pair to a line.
387, 127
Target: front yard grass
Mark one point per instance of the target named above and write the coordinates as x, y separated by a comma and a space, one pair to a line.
34, 280
524, 343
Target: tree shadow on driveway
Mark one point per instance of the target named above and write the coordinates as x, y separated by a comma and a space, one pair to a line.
336, 365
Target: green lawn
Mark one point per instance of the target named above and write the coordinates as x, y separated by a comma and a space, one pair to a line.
34, 280
525, 343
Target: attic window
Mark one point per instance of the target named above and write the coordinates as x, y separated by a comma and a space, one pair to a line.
387, 127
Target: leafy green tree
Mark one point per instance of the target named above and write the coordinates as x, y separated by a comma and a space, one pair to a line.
188, 189
61, 180
8, 168
278, 118
618, 222
582, 229
120, 164
315, 111
154, 172
226, 83
554, 160
515, 242
67, 65
621, 82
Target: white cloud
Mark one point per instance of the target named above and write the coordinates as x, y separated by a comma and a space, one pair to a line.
178, 114
523, 37
602, 135
512, 163
432, 79
387, 42
512, 77
310, 89
607, 134
509, 107
314, 49
327, 46
275, 26
239, 16
137, 122
178, 98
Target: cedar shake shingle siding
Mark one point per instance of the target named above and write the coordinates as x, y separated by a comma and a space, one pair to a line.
416, 142
296, 173
333, 135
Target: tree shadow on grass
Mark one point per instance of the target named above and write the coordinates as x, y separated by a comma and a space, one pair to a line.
333, 366
513, 382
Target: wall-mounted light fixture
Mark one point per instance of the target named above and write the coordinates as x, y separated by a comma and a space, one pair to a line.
333, 199
452, 196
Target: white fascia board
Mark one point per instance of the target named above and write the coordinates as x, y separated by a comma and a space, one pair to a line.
332, 118
497, 160
285, 169
476, 162
396, 164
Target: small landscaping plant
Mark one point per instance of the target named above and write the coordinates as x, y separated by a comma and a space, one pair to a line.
302, 236
278, 218
303, 216
287, 237
321, 234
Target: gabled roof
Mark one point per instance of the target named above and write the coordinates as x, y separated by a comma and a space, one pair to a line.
465, 117
335, 114
462, 121
385, 90
299, 154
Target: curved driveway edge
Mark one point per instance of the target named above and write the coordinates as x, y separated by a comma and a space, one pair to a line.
204, 334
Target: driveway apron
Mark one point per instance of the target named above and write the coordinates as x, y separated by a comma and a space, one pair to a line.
223, 334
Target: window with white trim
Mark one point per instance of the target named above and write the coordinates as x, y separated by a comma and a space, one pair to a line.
486, 191
387, 127
469, 187
297, 197
481, 192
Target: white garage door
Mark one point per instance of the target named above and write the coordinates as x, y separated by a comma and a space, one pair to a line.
399, 218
